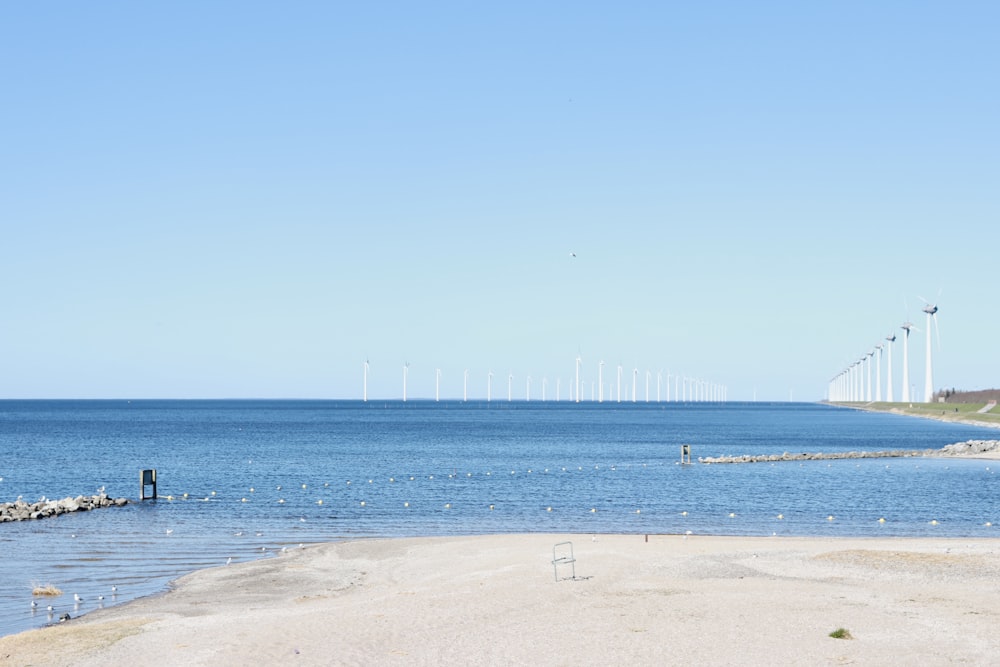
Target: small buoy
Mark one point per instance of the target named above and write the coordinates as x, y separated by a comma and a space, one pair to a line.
781, 516
406, 504
319, 502
362, 503
881, 519
303, 486
638, 511
447, 506
732, 515
934, 522
548, 509
491, 507
593, 510
829, 518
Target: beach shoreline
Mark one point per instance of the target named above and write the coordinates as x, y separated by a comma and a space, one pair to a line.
498, 599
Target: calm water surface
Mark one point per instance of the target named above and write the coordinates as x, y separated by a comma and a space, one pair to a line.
262, 476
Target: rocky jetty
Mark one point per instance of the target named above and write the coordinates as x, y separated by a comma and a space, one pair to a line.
967, 448
971, 448
22, 511
819, 456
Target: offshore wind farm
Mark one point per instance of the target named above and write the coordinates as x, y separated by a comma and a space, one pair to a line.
587, 386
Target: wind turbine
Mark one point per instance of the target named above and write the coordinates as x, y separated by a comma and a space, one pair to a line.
406, 368
648, 373
635, 377
600, 381
510, 385
619, 383
365, 392
489, 387
465, 386
890, 339
868, 367
906, 326
527, 389
878, 373
578, 360
437, 384
931, 311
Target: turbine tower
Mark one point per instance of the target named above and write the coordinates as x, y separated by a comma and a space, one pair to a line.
878, 373
406, 368
437, 384
906, 360
365, 392
489, 387
635, 378
891, 338
600, 381
931, 311
578, 360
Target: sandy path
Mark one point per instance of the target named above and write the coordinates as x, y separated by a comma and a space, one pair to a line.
493, 600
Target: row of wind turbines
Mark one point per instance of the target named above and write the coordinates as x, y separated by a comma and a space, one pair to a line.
685, 388
854, 383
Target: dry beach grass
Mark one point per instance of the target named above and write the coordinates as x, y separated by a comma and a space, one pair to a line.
494, 600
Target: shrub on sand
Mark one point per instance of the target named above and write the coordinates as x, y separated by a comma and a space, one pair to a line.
841, 633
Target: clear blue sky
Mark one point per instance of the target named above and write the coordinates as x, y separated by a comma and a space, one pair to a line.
243, 199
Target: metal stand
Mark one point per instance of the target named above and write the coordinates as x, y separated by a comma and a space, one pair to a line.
563, 556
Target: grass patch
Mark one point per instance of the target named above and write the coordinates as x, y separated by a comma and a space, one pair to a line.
47, 590
841, 633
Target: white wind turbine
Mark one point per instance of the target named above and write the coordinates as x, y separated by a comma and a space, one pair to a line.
600, 381
465, 386
578, 361
527, 389
510, 386
648, 373
365, 391
489, 387
931, 311
437, 384
406, 368
890, 339
906, 327
878, 373
619, 383
635, 378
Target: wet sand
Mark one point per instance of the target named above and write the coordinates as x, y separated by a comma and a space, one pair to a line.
494, 600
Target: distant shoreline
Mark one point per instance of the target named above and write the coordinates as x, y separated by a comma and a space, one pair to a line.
962, 413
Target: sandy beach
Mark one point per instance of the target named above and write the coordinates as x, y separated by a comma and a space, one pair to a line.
495, 600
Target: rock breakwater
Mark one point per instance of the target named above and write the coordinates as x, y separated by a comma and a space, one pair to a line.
22, 511
967, 448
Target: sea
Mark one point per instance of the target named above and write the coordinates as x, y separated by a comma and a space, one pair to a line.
239, 480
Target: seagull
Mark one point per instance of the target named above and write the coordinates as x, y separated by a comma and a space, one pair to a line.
572, 254
77, 598
114, 589
229, 560
33, 604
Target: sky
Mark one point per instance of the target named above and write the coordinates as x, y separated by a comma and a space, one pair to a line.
251, 200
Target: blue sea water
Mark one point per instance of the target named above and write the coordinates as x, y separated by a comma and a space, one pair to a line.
262, 476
